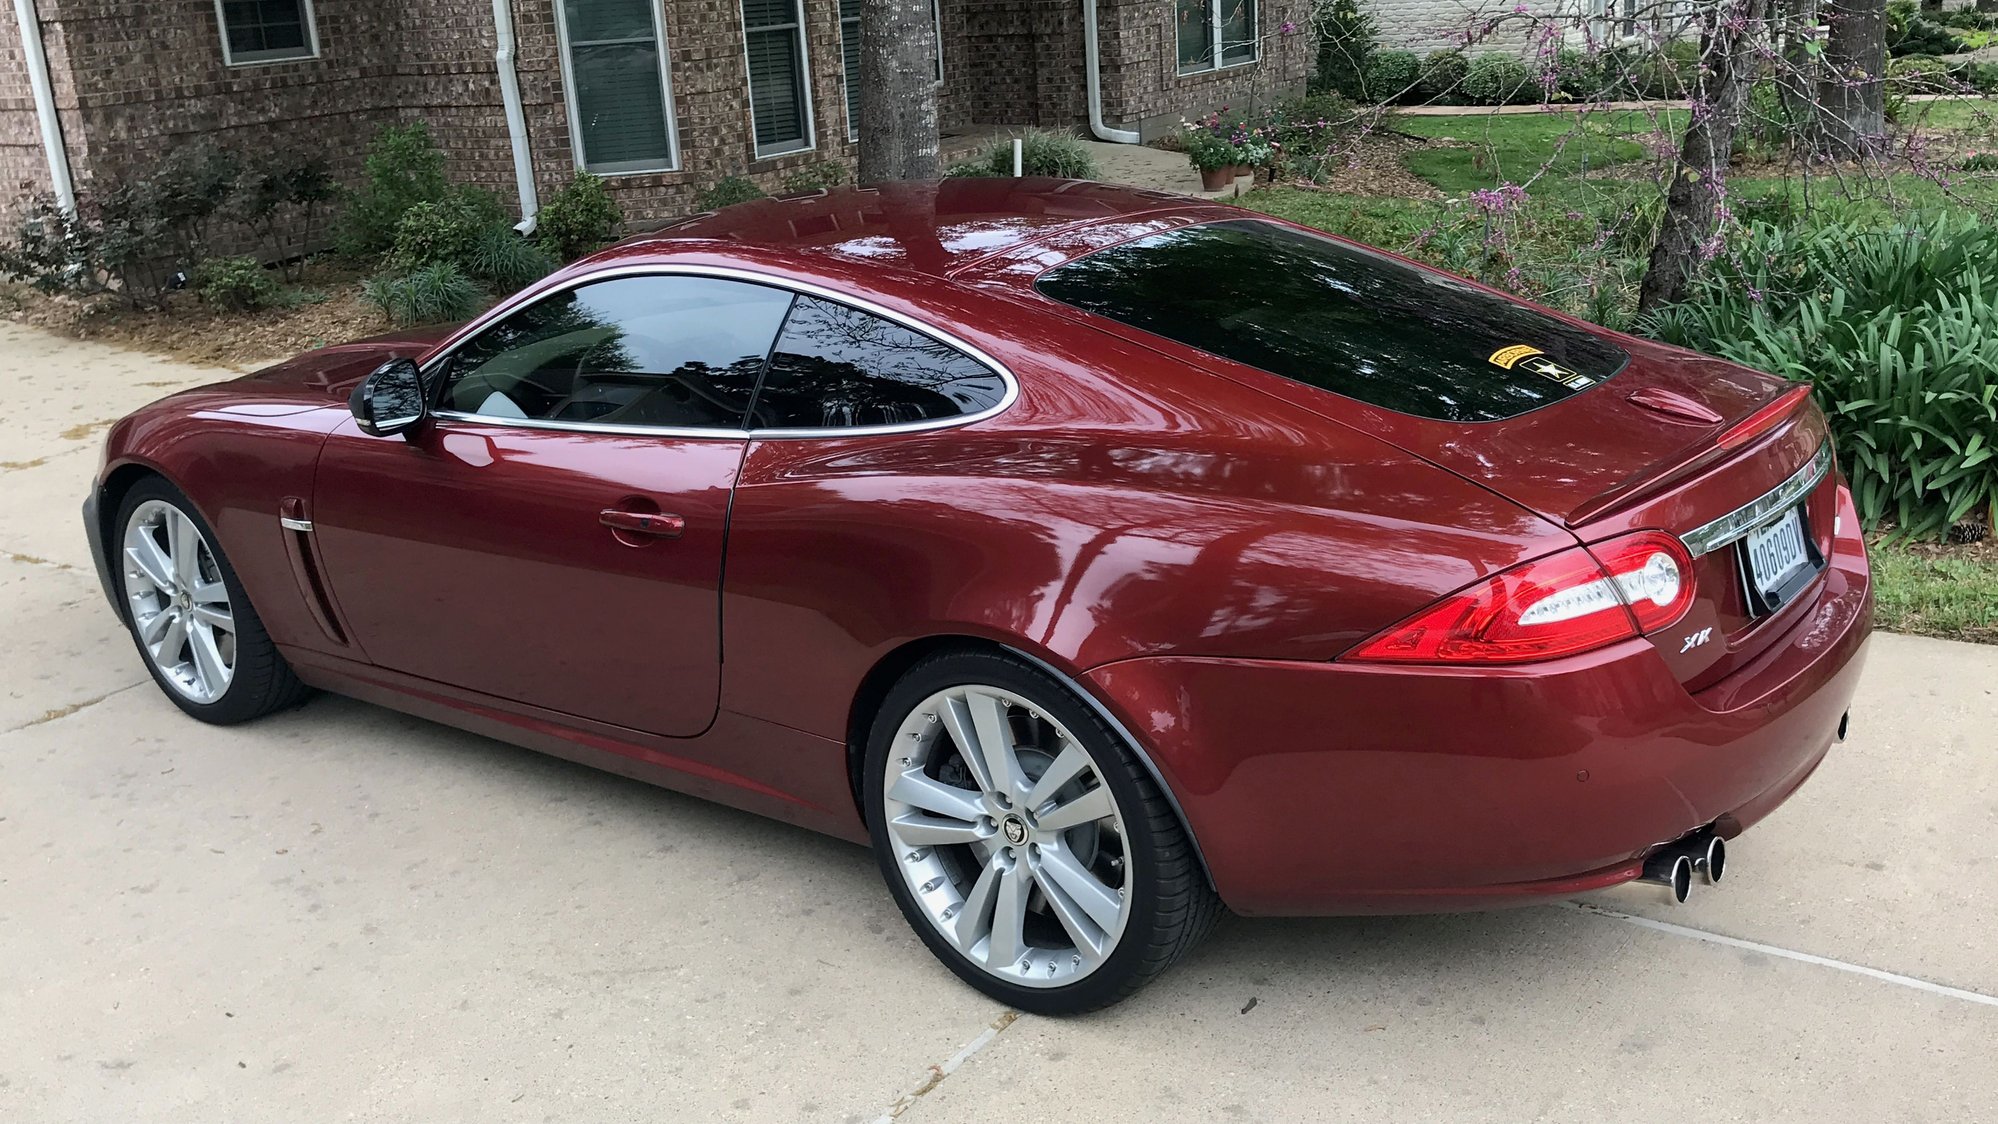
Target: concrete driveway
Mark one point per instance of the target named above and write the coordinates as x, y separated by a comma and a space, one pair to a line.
342, 913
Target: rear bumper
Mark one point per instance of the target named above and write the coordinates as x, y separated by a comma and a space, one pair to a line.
1341, 788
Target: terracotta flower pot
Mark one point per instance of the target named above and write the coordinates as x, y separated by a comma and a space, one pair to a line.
1237, 171
1214, 179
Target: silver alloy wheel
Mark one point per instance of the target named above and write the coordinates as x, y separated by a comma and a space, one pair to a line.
1010, 841
179, 605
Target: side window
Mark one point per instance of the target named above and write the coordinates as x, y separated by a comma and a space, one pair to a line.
836, 367
667, 351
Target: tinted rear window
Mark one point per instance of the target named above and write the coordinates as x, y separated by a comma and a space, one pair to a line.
1339, 318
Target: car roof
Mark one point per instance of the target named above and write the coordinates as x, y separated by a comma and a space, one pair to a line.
941, 228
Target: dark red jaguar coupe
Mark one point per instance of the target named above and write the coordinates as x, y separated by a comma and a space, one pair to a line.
1099, 556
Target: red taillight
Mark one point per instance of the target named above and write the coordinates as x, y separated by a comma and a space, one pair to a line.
1565, 603
1764, 419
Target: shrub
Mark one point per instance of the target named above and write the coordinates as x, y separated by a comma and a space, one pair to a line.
1980, 76
1897, 326
240, 284
505, 261
445, 230
578, 220
1578, 74
1909, 33
1206, 150
727, 192
433, 294
822, 176
1306, 127
1392, 76
187, 188
1443, 75
1347, 38
1498, 79
404, 167
279, 197
1043, 152
55, 250
1981, 162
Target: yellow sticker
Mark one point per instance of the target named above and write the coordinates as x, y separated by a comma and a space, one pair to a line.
1508, 357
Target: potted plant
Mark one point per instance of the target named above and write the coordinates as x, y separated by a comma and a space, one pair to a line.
1213, 157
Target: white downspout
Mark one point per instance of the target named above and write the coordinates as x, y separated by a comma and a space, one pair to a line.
45, 107
1093, 78
516, 120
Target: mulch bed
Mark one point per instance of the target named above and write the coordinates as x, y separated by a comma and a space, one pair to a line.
197, 333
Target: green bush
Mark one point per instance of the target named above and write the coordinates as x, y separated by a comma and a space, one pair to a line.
1443, 74
1392, 76
1578, 74
186, 189
445, 230
279, 198
822, 176
727, 192
1497, 78
1043, 152
504, 261
1347, 38
434, 294
239, 284
1911, 33
404, 167
1897, 326
1980, 76
578, 220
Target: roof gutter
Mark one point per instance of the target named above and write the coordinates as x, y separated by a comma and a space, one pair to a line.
1092, 71
516, 119
45, 107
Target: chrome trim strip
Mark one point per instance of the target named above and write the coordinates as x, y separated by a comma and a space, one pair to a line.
1737, 523
730, 273
291, 524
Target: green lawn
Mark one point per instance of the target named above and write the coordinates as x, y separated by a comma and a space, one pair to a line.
1513, 147
1924, 591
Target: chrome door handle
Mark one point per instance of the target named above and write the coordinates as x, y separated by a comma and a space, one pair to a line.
643, 522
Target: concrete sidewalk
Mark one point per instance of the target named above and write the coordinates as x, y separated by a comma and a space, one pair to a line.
342, 913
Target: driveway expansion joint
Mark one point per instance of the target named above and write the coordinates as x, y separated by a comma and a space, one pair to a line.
948, 1066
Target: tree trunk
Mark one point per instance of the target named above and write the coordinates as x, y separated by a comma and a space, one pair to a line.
1719, 101
898, 94
1852, 96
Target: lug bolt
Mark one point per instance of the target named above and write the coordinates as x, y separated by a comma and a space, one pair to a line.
932, 884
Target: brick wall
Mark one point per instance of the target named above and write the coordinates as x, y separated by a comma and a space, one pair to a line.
135, 78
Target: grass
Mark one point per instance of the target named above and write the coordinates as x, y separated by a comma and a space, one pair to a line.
1932, 591
1513, 147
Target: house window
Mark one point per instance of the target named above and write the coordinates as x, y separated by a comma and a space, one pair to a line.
266, 30
849, 57
1215, 33
620, 98
780, 101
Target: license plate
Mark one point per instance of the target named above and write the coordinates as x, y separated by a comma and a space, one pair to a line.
1776, 552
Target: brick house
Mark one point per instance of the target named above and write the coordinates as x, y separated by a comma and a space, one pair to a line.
663, 97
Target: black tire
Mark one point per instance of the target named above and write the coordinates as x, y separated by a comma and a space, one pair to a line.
261, 681
1172, 905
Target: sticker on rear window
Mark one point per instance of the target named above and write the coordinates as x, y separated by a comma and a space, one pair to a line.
1533, 359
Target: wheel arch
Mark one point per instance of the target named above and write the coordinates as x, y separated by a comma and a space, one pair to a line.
889, 669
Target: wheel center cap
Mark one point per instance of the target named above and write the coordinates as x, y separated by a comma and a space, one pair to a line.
1015, 830
184, 601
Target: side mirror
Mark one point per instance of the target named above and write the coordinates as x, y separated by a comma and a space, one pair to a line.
390, 400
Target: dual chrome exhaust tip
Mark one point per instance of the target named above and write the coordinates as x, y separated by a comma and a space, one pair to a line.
1673, 865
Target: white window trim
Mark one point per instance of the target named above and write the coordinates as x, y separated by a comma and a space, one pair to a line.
1219, 49
936, 21
797, 29
311, 39
566, 64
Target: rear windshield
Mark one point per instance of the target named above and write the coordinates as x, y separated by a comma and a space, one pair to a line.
1339, 318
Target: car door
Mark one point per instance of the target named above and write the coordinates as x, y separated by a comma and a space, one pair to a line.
553, 534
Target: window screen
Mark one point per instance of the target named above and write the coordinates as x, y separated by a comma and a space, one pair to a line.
679, 352
775, 42
836, 367
267, 30
1340, 318
1203, 23
621, 109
